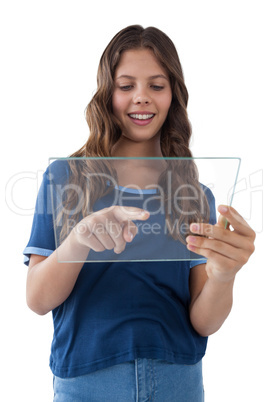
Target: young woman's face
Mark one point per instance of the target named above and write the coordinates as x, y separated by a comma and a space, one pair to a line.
142, 95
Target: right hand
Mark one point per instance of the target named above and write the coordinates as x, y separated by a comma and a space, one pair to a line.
110, 228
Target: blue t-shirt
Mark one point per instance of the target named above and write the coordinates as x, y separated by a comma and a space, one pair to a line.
118, 311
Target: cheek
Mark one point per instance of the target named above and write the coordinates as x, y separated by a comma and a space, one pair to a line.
165, 103
118, 103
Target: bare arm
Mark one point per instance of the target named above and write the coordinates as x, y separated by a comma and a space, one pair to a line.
210, 307
50, 282
211, 285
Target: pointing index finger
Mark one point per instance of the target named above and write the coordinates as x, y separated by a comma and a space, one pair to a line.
130, 213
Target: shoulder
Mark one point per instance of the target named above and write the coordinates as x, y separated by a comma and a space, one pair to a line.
58, 171
208, 192
211, 202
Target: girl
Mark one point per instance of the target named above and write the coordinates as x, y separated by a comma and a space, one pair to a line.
133, 331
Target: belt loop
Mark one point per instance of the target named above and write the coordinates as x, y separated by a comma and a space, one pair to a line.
137, 380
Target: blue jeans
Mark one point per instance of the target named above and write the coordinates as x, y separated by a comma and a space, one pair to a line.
141, 380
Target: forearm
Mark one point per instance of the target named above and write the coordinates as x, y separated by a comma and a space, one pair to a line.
212, 306
50, 282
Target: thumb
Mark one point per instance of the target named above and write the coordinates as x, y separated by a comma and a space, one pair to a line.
222, 222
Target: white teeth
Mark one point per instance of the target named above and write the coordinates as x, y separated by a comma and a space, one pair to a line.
141, 116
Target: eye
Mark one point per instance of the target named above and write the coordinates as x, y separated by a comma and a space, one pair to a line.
157, 87
125, 87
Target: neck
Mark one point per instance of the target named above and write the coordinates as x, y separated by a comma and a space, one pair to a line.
127, 148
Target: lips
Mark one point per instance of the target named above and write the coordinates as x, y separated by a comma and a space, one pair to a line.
139, 116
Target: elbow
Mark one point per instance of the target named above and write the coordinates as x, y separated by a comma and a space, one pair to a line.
206, 330
36, 309
34, 304
205, 333
34, 299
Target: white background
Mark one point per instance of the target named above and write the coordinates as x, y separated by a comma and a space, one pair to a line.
49, 57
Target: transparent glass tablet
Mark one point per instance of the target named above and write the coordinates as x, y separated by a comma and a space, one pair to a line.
100, 200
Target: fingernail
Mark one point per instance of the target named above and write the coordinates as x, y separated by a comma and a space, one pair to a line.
223, 209
144, 213
194, 227
191, 239
131, 236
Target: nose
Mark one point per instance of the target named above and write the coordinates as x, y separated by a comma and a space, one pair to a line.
141, 97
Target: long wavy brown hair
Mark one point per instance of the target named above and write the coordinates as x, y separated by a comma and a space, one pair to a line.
105, 129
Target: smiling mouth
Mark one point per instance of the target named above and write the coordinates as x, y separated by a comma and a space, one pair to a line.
141, 116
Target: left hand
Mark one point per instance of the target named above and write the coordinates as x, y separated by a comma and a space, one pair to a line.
227, 251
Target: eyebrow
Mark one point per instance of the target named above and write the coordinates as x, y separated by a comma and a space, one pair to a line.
150, 78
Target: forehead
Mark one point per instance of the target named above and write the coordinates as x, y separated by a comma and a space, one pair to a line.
139, 61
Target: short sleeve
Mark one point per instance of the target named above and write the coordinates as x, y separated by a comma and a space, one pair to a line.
212, 221
42, 239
